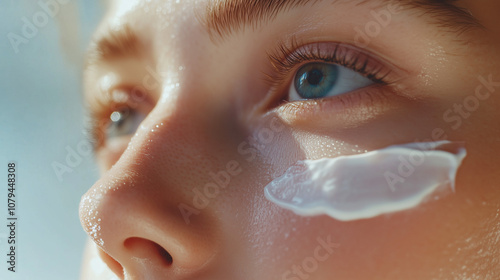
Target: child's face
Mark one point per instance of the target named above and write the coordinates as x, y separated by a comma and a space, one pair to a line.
192, 121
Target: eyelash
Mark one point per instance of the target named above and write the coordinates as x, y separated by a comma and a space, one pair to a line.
287, 57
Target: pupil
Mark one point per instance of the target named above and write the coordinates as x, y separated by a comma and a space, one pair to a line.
315, 77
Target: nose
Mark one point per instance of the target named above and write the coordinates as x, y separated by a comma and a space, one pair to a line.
136, 213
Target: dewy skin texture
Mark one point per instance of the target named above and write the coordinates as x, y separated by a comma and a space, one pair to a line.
366, 185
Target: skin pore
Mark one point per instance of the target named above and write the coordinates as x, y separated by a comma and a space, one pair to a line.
195, 93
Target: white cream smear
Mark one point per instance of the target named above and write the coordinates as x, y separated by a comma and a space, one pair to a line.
367, 185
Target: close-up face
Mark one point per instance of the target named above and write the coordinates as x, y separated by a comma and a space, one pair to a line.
295, 139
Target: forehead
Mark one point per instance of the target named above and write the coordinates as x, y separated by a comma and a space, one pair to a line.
164, 22
153, 16
169, 9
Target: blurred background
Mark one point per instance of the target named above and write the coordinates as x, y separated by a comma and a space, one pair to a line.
41, 129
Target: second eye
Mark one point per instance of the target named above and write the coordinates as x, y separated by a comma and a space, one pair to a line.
123, 122
321, 80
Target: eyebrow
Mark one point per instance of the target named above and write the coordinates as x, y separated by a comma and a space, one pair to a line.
114, 44
224, 17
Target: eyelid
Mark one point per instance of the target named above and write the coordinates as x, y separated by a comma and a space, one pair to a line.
289, 56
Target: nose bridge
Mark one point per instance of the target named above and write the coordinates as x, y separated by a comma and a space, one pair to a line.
133, 211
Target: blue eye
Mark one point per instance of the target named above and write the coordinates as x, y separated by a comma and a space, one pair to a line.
321, 80
123, 123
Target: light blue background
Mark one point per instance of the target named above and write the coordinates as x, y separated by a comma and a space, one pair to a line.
41, 116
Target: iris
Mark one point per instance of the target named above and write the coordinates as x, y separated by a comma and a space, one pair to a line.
316, 80
124, 122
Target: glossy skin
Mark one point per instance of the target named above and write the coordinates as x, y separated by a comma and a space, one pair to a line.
209, 105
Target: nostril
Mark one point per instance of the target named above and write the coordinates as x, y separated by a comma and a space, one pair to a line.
167, 258
113, 265
147, 249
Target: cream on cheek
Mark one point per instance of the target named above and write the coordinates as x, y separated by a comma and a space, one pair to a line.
366, 185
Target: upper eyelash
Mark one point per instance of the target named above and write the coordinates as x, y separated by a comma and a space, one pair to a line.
287, 56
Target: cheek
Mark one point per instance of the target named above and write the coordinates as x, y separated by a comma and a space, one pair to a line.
421, 241
319, 246
278, 240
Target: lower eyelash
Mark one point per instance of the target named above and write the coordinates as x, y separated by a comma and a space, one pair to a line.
341, 111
